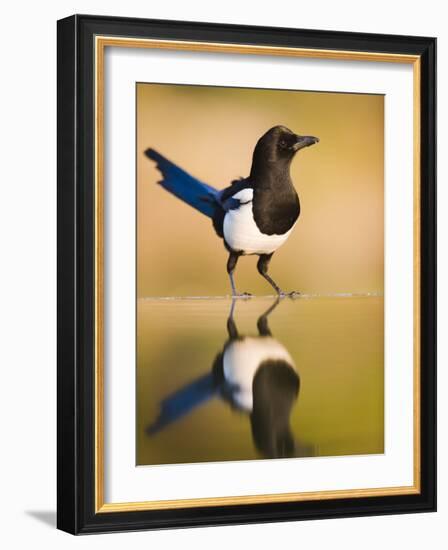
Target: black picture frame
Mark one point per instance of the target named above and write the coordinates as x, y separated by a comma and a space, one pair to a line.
76, 286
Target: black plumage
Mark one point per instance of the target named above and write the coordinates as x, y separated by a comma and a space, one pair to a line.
254, 215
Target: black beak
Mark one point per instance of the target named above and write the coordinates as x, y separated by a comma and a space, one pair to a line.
304, 141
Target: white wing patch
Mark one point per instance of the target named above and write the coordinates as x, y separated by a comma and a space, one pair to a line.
245, 195
241, 232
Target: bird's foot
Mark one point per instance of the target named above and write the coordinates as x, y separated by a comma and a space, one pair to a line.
243, 295
294, 294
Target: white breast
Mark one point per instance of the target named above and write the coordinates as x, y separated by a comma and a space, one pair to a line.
241, 232
241, 360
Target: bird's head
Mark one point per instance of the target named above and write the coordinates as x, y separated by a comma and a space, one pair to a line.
279, 144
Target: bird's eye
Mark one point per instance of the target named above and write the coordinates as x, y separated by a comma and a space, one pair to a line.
283, 144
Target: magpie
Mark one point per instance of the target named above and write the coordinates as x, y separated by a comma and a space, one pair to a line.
254, 215
254, 375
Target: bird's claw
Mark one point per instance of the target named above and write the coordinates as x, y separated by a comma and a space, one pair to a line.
242, 295
293, 294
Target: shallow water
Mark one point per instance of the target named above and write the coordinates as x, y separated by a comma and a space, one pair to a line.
307, 381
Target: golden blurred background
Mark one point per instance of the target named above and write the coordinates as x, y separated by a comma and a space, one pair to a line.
338, 243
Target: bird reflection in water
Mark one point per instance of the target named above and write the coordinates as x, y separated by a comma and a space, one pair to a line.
253, 374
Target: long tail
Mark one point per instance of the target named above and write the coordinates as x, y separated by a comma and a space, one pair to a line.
187, 188
183, 401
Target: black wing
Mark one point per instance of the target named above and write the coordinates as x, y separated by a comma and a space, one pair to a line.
225, 199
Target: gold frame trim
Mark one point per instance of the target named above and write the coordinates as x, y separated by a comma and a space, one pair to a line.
101, 42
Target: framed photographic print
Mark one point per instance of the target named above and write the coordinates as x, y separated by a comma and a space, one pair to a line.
246, 274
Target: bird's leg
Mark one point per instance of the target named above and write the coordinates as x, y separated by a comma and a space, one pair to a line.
262, 267
262, 323
231, 264
231, 325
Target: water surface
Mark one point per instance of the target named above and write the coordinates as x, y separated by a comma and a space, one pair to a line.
299, 378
